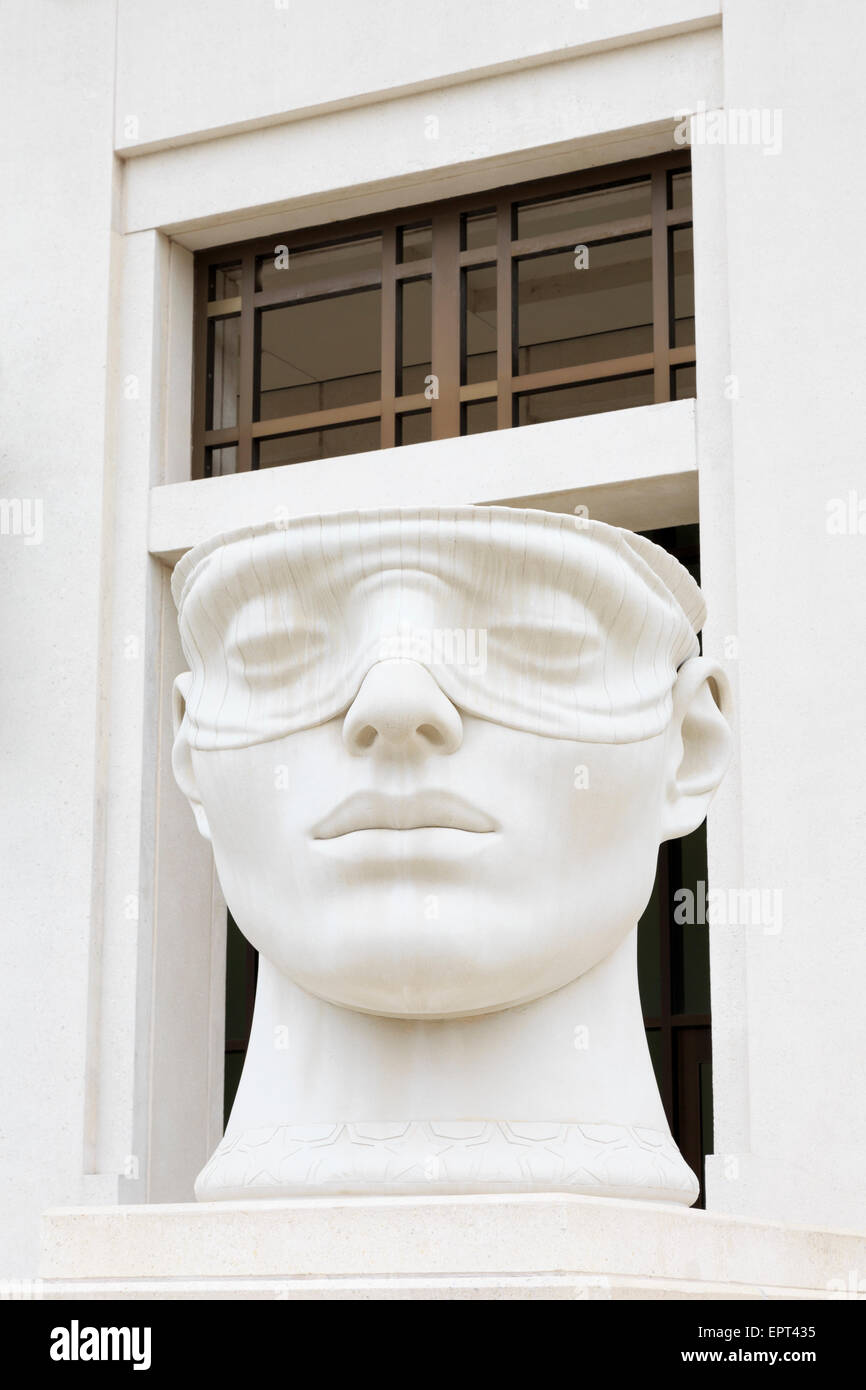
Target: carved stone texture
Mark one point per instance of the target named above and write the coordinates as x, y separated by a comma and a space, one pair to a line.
448, 1157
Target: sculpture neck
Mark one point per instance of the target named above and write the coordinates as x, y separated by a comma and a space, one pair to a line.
556, 1094
576, 1055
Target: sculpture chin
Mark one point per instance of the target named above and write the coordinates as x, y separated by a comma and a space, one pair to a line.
438, 969
426, 1004
430, 999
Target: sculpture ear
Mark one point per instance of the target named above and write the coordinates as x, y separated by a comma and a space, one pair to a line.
699, 745
181, 753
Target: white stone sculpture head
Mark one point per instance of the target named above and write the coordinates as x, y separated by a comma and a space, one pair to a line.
436, 750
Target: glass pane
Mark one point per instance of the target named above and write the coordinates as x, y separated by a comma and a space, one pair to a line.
319, 354
571, 313
236, 983
681, 189
648, 955
687, 549
478, 417
293, 270
224, 356
654, 1043
224, 281
589, 398
690, 939
479, 324
234, 1065
683, 275
684, 386
683, 542
328, 443
416, 327
414, 428
415, 243
219, 462
705, 1072
596, 205
478, 230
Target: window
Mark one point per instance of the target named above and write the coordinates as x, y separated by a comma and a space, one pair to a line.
674, 962
536, 302
674, 974
242, 972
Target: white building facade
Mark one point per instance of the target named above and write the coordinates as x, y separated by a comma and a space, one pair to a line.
140, 134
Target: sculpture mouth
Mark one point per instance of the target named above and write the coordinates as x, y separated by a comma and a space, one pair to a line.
422, 810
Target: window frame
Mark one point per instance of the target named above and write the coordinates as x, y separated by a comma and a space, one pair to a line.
446, 266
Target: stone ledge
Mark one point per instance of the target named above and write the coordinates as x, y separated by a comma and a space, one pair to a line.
522, 1246
635, 468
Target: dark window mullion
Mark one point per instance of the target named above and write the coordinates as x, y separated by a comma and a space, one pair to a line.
202, 369
390, 329
661, 287
248, 366
506, 333
445, 422
665, 876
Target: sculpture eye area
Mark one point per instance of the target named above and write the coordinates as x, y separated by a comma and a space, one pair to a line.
539, 622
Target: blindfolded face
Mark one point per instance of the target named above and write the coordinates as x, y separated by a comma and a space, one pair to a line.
539, 622
434, 759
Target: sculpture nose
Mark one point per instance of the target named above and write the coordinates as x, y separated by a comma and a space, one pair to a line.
400, 708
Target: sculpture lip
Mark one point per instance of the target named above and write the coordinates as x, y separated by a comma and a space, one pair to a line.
428, 809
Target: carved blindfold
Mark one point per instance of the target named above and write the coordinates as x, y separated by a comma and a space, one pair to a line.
546, 623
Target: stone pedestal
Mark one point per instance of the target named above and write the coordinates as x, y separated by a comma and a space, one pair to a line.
524, 1246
